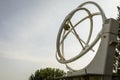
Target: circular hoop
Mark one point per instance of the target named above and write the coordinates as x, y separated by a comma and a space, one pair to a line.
65, 26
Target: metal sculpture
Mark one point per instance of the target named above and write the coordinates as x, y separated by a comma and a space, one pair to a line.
102, 64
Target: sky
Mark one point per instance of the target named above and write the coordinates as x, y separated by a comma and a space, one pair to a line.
28, 32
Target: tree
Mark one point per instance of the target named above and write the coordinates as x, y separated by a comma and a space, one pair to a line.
47, 74
116, 64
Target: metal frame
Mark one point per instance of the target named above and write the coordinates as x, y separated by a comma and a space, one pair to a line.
102, 64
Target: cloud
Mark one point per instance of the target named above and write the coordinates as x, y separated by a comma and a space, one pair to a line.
29, 28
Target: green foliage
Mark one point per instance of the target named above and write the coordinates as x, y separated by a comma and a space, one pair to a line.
118, 14
47, 74
116, 64
118, 19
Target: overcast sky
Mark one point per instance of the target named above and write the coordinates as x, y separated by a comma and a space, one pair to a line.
28, 31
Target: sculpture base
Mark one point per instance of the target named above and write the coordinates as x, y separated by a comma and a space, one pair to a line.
90, 77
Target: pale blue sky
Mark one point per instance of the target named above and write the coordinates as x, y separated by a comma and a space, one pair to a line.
28, 30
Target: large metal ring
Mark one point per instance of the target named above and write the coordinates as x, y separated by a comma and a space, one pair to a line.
67, 25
